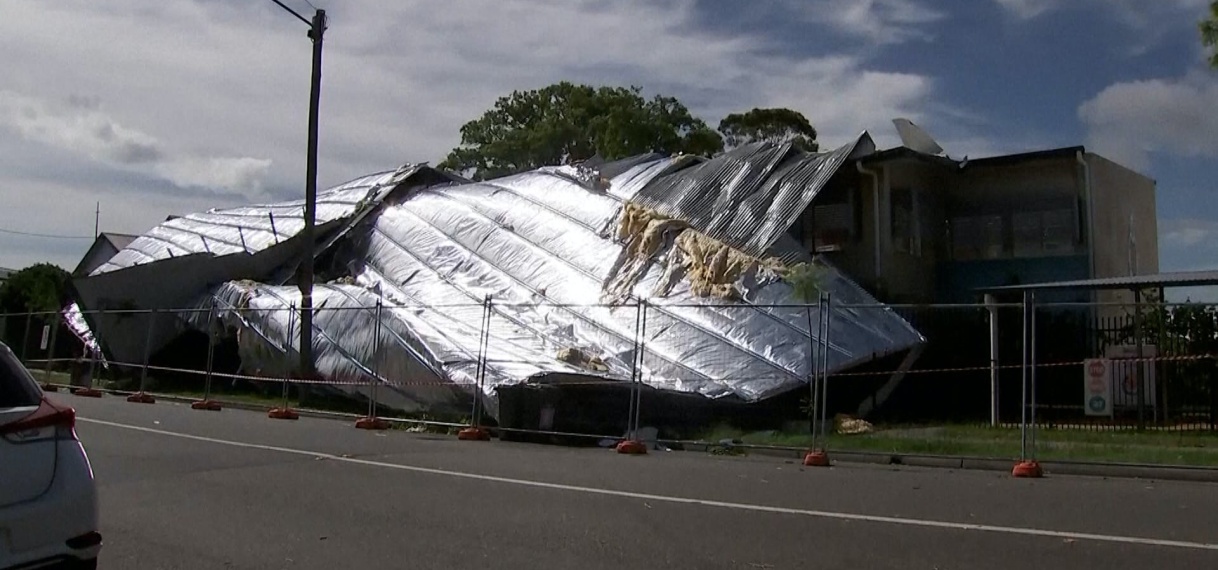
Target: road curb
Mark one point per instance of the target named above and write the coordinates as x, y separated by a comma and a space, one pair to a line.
1072, 468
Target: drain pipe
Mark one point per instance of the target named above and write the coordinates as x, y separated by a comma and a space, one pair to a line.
1090, 229
875, 192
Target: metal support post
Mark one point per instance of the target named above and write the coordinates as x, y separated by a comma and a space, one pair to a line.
475, 431
142, 396
641, 368
1027, 466
631, 444
285, 412
147, 350
1032, 369
813, 346
992, 309
1139, 378
373, 422
1023, 391
817, 456
25, 337
207, 403
824, 375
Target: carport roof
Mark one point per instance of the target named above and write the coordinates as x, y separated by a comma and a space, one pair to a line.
1156, 280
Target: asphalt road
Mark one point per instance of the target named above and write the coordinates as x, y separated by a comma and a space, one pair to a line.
232, 489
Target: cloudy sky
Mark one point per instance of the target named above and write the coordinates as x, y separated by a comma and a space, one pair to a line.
159, 107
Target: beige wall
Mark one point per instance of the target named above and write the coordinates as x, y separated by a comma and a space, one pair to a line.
1050, 183
909, 276
1118, 194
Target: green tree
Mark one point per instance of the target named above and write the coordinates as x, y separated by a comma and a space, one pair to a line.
565, 123
1209, 33
38, 288
772, 125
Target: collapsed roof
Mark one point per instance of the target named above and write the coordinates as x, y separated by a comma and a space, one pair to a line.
564, 254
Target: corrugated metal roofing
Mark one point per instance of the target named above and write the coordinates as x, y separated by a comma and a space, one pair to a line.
1171, 279
748, 197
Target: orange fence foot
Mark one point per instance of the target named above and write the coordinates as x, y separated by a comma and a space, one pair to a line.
632, 447
283, 414
371, 424
87, 392
474, 434
210, 405
1028, 469
141, 398
50, 388
816, 458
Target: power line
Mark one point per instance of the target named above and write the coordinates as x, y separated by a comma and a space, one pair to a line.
293, 12
33, 234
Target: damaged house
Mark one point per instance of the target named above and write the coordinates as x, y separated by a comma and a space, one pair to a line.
527, 288
406, 261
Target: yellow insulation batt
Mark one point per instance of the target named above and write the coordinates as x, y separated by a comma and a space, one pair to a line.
713, 267
581, 359
642, 232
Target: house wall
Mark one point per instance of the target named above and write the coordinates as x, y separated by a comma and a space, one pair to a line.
100, 252
992, 224
1119, 195
908, 260
855, 256
1022, 222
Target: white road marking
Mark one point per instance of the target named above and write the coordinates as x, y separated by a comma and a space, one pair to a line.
688, 501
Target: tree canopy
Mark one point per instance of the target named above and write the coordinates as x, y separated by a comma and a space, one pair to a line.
40, 287
772, 125
1209, 33
565, 123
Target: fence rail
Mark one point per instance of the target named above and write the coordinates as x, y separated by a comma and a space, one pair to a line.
977, 368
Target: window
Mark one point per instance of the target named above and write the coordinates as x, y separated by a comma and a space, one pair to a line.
835, 221
1046, 233
833, 226
16, 386
977, 237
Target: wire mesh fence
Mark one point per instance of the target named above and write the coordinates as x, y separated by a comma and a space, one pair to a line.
602, 373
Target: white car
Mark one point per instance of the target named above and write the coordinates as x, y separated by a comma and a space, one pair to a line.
48, 499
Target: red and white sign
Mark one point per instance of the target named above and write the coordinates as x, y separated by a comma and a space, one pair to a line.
1097, 387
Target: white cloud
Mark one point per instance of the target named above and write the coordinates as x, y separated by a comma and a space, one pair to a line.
81, 127
1190, 234
1028, 9
188, 91
1138, 13
881, 22
1129, 121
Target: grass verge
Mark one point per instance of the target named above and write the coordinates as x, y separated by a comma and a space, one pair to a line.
1154, 448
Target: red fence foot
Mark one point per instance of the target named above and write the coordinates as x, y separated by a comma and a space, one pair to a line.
1028, 469
283, 414
141, 398
474, 434
816, 458
371, 424
209, 405
87, 392
632, 447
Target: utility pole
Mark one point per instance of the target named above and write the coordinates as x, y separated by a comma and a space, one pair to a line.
316, 32
317, 29
96, 220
